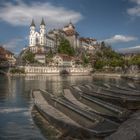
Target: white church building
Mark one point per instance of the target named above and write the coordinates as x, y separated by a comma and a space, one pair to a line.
39, 41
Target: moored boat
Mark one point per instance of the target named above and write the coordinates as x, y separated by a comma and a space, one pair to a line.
129, 101
116, 91
119, 89
102, 107
92, 122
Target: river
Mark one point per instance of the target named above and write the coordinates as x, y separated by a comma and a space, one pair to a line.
15, 102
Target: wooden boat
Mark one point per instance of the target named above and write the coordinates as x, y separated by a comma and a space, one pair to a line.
53, 115
129, 101
117, 91
132, 86
91, 122
102, 107
120, 88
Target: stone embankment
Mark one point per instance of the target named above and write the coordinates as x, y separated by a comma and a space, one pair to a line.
129, 76
129, 130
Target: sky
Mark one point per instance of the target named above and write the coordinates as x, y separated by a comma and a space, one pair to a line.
117, 22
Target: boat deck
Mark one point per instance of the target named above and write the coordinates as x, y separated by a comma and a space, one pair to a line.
45, 107
68, 95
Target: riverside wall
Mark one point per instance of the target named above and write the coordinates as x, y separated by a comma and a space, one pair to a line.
42, 70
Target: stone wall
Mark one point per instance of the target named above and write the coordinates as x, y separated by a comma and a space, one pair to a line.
56, 70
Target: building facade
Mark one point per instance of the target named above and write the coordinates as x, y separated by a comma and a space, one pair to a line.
68, 32
63, 60
89, 45
7, 56
40, 41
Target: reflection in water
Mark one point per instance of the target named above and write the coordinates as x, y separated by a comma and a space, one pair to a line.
55, 84
15, 106
15, 103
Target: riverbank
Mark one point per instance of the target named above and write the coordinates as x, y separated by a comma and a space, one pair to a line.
129, 130
119, 75
110, 75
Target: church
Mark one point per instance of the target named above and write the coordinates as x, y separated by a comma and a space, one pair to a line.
39, 41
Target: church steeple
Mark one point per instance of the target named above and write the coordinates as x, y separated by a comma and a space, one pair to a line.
32, 23
71, 25
43, 22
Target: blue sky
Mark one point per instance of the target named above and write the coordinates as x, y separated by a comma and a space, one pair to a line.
115, 21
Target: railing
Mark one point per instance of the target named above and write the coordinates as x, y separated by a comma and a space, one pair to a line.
45, 70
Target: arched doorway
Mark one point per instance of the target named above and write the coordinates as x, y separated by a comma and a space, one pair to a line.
64, 71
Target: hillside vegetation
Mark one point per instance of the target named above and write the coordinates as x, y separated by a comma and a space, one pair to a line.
106, 57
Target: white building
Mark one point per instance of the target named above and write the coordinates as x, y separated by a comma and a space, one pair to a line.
40, 57
63, 60
89, 45
40, 41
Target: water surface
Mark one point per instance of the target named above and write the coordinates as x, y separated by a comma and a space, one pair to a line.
16, 104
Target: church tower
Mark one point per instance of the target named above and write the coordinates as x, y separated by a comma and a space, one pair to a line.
42, 33
32, 38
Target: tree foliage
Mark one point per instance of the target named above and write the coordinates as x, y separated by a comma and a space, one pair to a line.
29, 57
134, 60
50, 54
99, 64
17, 71
85, 60
106, 56
65, 47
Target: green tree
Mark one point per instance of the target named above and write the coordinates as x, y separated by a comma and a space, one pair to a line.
65, 48
28, 57
50, 54
99, 64
135, 60
106, 56
116, 62
85, 59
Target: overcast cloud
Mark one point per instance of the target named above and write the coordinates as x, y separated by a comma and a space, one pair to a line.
134, 11
120, 38
22, 13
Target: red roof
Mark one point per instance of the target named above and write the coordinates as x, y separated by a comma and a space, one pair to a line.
65, 57
3, 51
87, 40
70, 32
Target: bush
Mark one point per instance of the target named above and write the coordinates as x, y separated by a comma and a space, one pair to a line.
99, 64
29, 57
17, 71
116, 62
135, 60
107, 57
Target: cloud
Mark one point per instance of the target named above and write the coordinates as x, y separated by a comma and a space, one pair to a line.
21, 13
135, 49
134, 11
120, 38
13, 43
135, 1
